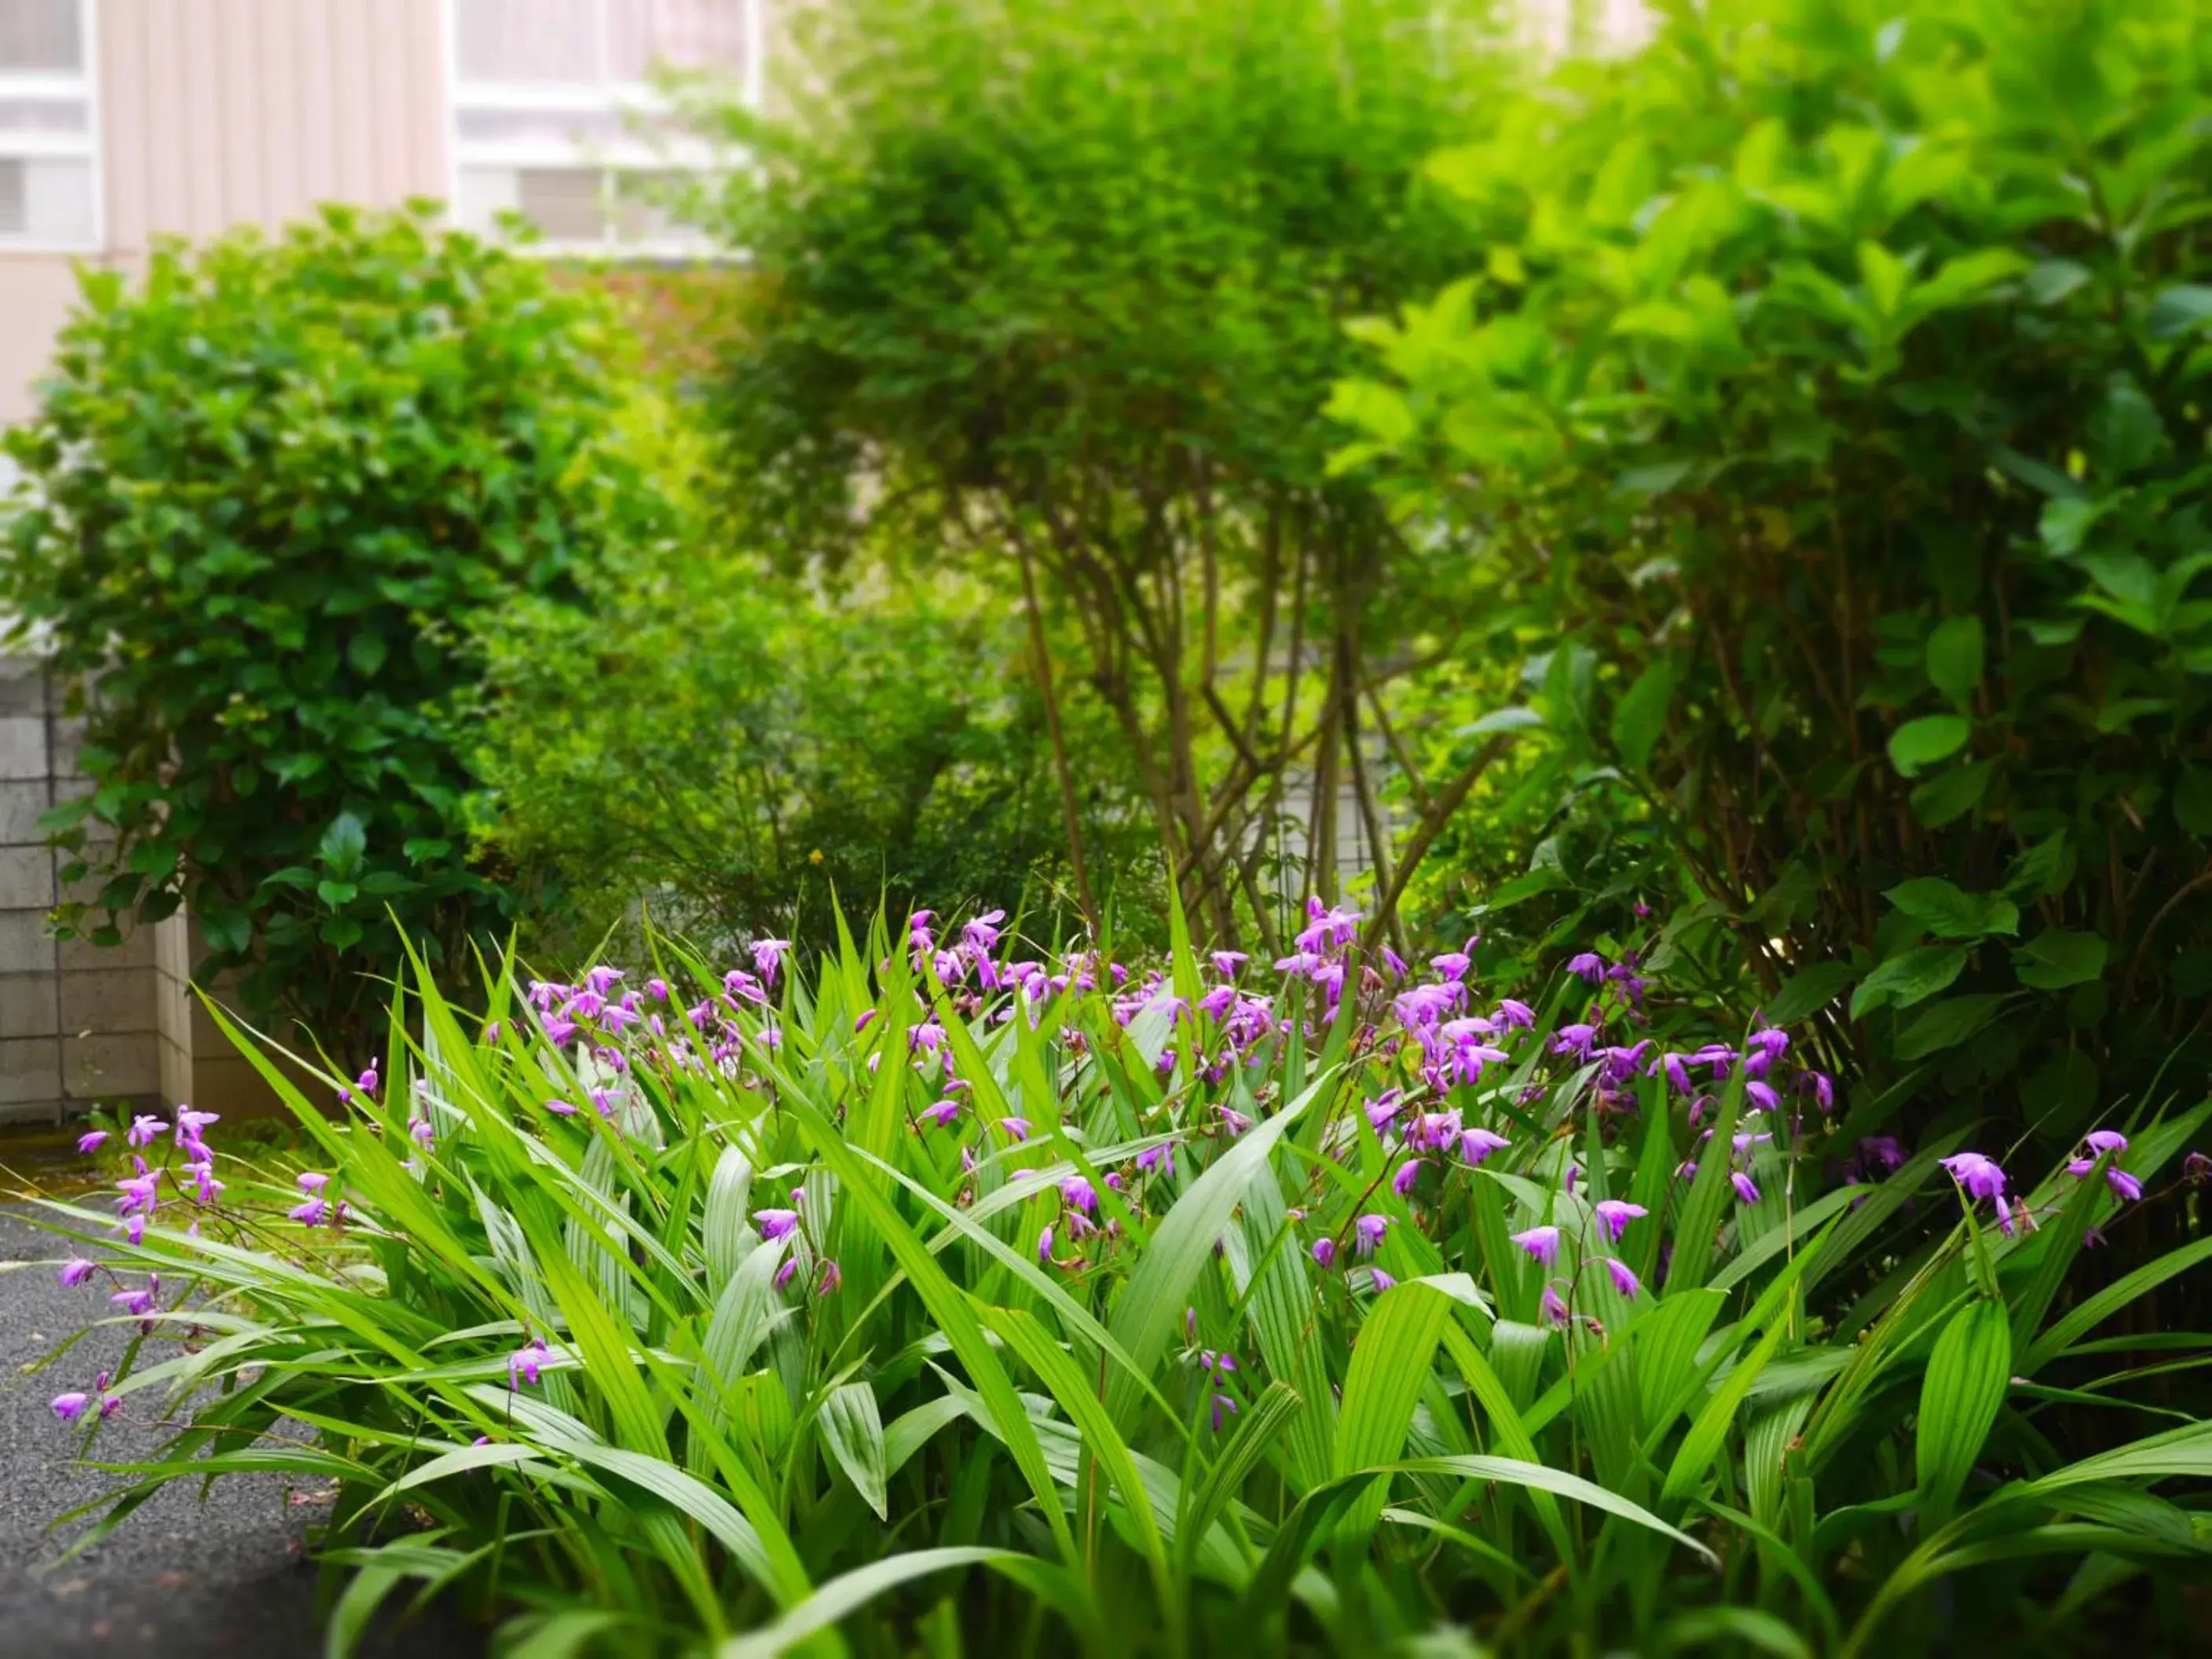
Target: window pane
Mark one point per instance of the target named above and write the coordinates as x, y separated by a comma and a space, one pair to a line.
40, 36
525, 40
58, 201
483, 194
43, 115
46, 201
679, 33
567, 204
539, 126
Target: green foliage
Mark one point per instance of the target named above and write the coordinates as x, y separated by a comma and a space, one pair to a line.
265, 491
770, 1340
1835, 388
1060, 289
732, 744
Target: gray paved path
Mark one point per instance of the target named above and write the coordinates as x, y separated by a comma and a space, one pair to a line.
183, 1577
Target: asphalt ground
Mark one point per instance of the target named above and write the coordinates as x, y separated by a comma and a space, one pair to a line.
185, 1577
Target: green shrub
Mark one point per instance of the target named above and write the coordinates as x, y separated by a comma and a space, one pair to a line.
265, 491
730, 744
1203, 1317
1059, 290
1835, 390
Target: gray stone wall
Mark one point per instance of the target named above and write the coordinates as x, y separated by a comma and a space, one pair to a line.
79, 1023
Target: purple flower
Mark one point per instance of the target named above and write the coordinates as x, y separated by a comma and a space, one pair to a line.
69, 1406
1452, 965
1221, 1403
310, 1181
783, 1274
1381, 1281
91, 1143
310, 1213
768, 957
2105, 1141
140, 1194
1044, 1245
1156, 1160
1078, 1194
138, 1303
831, 1281
1574, 1040
1234, 1122
1880, 1151
526, 1364
209, 1189
76, 1270
942, 1113
1476, 1145
1016, 1129
1517, 1013
1979, 1175
1227, 963
1542, 1243
109, 1405
1407, 1174
366, 1081
776, 1224
1324, 1252
1368, 1232
1763, 1095
1615, 1215
2125, 1184
560, 1109
1588, 967
1746, 1191
1555, 1309
145, 1129
1623, 1279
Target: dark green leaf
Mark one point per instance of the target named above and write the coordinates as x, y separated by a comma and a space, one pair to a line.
1919, 744
1913, 977
2058, 957
1947, 913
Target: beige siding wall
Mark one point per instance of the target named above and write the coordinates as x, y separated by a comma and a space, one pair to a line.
36, 291
219, 112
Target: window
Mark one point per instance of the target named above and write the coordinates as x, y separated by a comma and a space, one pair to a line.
49, 135
553, 112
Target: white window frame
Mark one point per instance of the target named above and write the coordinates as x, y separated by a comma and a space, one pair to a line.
625, 153
86, 146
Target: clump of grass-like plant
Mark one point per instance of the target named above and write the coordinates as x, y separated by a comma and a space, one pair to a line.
926, 1294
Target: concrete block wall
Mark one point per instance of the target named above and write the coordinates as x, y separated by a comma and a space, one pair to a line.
79, 1023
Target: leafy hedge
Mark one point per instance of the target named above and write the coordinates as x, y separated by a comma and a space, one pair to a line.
1836, 388
265, 490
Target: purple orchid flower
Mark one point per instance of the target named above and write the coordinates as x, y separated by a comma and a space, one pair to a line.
1614, 1214
526, 1364
1541, 1242
1476, 1145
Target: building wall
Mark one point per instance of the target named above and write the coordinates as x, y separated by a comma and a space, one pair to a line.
221, 112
